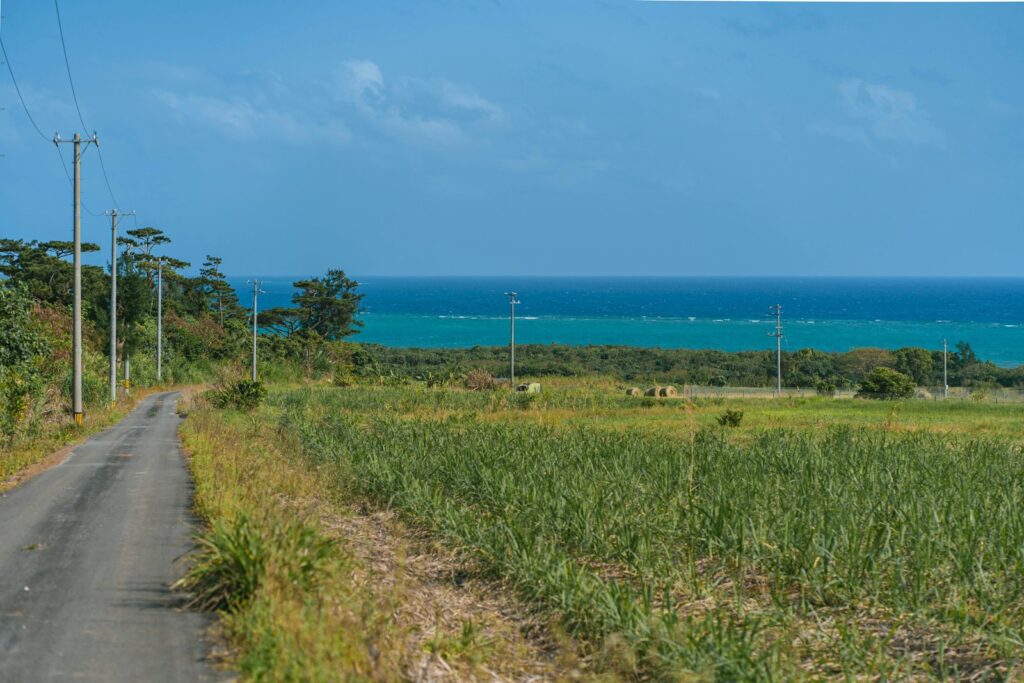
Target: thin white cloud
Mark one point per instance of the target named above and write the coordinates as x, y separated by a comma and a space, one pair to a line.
889, 113
458, 97
240, 117
360, 103
436, 113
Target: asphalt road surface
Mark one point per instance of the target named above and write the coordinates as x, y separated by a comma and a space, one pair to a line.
87, 555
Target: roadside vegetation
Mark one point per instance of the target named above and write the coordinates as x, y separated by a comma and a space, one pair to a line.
666, 538
312, 584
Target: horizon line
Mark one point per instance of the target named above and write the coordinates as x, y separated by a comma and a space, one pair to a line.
648, 276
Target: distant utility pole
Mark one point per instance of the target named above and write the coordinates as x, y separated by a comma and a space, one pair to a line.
512, 337
255, 312
778, 348
76, 325
113, 301
945, 370
159, 319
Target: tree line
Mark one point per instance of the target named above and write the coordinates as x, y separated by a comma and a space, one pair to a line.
807, 368
205, 326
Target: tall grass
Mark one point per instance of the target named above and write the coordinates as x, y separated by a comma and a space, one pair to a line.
655, 548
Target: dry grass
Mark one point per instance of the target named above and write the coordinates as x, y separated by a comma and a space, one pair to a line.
26, 457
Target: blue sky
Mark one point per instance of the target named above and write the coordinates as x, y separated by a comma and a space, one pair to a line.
533, 137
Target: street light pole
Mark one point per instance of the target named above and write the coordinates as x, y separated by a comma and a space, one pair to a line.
512, 338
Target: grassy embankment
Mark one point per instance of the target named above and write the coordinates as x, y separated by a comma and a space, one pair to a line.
819, 539
17, 457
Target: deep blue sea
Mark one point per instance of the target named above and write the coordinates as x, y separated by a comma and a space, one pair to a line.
728, 313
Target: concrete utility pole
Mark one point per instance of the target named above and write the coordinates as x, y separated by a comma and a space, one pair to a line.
76, 325
778, 348
113, 302
113, 306
159, 320
512, 337
255, 300
945, 369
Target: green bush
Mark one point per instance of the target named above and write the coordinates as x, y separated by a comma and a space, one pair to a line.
825, 388
235, 559
245, 394
730, 418
22, 358
887, 384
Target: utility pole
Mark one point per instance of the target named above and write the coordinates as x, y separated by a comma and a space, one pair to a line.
778, 348
159, 319
113, 306
512, 338
113, 302
945, 370
76, 325
255, 326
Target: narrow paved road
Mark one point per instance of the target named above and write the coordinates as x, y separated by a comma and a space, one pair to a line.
87, 554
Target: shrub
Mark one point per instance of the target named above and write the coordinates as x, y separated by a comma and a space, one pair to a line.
480, 380
886, 383
23, 350
825, 388
245, 394
235, 559
343, 378
523, 400
730, 418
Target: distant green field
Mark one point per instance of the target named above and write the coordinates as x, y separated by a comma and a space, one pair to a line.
819, 538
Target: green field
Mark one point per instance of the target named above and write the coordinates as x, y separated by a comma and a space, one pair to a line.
819, 538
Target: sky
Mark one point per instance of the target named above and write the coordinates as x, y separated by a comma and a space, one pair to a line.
531, 138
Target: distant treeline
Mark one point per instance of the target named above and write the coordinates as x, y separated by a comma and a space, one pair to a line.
803, 368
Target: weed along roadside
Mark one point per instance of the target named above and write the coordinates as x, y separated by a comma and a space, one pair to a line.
315, 583
21, 459
588, 534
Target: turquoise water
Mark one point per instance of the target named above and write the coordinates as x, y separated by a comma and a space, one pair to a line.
732, 314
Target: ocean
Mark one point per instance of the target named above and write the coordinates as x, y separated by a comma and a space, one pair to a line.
727, 313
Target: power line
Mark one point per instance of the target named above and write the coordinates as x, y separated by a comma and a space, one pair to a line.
106, 180
74, 96
32, 120
67, 65
21, 98
65, 166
